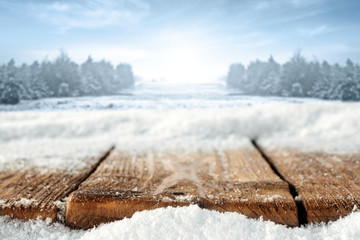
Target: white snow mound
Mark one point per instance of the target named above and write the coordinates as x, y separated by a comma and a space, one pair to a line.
64, 139
183, 223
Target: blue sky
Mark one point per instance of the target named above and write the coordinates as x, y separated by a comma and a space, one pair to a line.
187, 40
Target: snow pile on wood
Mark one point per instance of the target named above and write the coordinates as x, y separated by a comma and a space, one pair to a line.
183, 223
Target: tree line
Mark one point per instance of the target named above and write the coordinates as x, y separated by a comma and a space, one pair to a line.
297, 78
62, 77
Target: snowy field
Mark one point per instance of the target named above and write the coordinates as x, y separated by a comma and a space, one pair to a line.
157, 119
155, 96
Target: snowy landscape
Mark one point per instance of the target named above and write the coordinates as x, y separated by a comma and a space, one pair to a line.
83, 82
61, 139
158, 95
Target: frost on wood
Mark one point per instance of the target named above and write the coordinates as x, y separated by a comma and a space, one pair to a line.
328, 184
30, 193
234, 180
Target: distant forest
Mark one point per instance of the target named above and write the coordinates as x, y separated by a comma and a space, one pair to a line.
62, 78
297, 78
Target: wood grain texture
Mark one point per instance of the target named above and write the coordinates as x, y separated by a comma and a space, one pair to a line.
36, 192
327, 184
237, 181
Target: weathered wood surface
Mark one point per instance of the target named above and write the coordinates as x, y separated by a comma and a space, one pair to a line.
238, 181
36, 192
327, 184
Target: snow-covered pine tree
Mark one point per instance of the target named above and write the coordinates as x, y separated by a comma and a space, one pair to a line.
349, 86
236, 77
64, 90
271, 77
107, 77
124, 76
313, 75
38, 86
9, 86
45, 76
90, 78
255, 73
10, 93
295, 74
2, 78
22, 77
63, 70
328, 85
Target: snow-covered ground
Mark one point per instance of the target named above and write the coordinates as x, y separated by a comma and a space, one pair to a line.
155, 96
50, 138
183, 223
166, 120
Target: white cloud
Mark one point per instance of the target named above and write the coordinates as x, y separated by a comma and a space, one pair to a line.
262, 5
305, 3
315, 31
328, 49
267, 4
60, 7
90, 13
79, 53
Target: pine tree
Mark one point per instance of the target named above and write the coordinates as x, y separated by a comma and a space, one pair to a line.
236, 76
22, 77
294, 76
2, 78
64, 90
38, 86
10, 87
90, 78
62, 77
63, 70
124, 76
270, 79
10, 92
255, 73
348, 86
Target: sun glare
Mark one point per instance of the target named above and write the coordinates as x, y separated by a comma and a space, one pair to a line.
183, 65
181, 57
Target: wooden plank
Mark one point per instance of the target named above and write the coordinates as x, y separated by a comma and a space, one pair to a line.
237, 181
327, 184
36, 192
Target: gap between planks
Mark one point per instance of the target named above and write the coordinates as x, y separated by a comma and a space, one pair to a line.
327, 184
301, 210
102, 159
